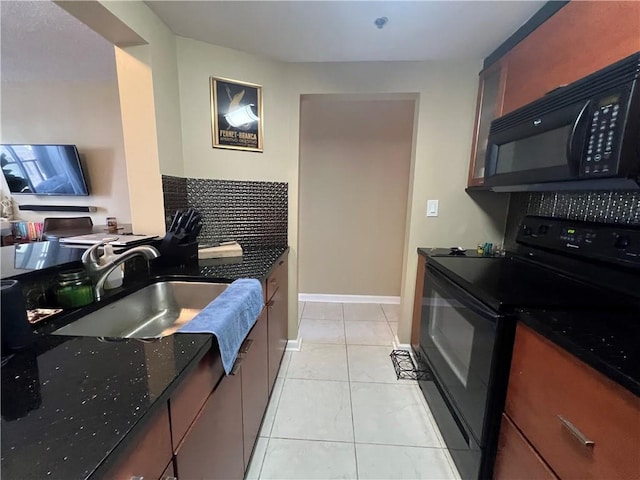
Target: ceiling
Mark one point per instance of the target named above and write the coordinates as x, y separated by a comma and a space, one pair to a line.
40, 41
341, 31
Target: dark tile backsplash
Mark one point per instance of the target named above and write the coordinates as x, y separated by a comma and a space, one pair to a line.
174, 190
253, 213
603, 207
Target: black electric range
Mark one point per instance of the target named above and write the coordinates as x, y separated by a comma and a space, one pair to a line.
505, 283
561, 270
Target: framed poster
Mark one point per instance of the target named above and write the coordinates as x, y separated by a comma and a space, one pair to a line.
236, 115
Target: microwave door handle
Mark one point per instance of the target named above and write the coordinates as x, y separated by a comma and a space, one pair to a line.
573, 151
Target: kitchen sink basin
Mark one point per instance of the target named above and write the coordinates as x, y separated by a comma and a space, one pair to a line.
154, 311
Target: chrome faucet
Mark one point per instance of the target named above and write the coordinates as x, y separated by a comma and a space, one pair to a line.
99, 273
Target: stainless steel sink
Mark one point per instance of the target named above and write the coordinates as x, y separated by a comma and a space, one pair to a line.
157, 310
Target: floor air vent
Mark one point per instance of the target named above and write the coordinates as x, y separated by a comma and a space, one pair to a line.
405, 368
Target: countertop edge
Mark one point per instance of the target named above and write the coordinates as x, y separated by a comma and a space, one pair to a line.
588, 358
119, 450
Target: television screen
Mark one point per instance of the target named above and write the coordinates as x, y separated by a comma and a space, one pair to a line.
43, 169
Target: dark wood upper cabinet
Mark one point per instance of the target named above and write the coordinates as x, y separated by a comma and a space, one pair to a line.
489, 106
577, 40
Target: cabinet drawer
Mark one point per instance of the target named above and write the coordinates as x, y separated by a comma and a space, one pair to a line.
559, 403
188, 399
278, 278
149, 452
278, 319
213, 447
516, 458
255, 388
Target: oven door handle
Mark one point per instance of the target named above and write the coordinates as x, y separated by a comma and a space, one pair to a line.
459, 294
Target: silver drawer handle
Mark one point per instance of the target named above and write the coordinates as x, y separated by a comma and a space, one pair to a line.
575, 432
246, 346
236, 365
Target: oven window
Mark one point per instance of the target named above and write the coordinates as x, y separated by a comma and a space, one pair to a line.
452, 335
548, 149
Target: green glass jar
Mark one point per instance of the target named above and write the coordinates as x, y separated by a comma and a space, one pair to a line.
74, 289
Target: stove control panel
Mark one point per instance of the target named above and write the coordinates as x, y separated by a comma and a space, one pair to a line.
618, 244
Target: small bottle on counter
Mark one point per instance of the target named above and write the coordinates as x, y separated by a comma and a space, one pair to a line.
74, 289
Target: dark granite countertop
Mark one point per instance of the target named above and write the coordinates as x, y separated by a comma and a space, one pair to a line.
608, 342
29, 259
68, 403
445, 252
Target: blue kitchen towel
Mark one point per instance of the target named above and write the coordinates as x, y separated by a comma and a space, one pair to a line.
230, 317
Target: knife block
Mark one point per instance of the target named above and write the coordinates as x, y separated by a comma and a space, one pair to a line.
177, 254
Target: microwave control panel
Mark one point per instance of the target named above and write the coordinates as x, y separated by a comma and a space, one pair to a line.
600, 158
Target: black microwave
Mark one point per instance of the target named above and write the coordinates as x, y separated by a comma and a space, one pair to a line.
583, 136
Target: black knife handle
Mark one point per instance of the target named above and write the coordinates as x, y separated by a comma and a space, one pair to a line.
174, 221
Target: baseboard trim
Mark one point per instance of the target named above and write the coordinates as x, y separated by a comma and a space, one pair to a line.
294, 345
401, 346
328, 298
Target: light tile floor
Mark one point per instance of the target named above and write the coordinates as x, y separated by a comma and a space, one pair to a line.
337, 409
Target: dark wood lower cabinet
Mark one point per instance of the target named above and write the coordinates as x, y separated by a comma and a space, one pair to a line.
169, 472
213, 448
150, 451
516, 458
417, 305
254, 372
278, 308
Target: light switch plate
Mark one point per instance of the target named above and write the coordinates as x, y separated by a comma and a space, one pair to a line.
432, 208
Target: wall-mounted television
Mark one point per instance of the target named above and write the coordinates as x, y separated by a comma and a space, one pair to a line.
43, 169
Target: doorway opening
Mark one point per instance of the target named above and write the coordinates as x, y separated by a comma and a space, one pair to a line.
355, 167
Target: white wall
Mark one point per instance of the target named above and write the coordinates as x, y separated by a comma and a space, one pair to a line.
140, 140
86, 114
355, 158
148, 82
197, 62
162, 59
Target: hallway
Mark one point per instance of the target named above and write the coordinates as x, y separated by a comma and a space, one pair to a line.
337, 409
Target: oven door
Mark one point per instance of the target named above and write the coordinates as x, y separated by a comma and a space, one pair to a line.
458, 336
